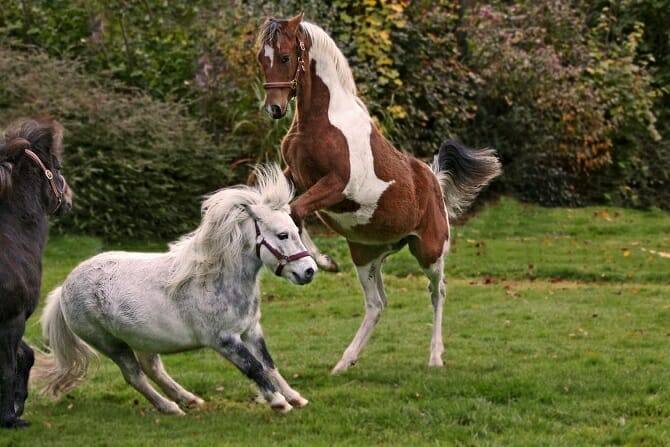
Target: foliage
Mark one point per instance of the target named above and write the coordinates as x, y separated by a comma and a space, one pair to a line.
548, 340
138, 166
575, 95
560, 110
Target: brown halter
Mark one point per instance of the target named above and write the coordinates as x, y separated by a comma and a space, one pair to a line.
300, 68
281, 257
50, 177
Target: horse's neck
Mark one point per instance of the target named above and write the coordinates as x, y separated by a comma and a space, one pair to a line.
319, 93
241, 280
22, 216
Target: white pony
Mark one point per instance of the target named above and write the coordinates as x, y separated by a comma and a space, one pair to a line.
202, 293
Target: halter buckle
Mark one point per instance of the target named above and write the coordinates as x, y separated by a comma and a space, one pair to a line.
49, 174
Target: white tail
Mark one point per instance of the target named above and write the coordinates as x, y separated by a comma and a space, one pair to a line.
66, 363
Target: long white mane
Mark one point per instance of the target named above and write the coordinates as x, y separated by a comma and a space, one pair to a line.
324, 45
216, 246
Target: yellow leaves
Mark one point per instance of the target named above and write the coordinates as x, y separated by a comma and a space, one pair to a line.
397, 112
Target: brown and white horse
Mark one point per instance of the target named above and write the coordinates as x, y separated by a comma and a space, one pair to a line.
379, 198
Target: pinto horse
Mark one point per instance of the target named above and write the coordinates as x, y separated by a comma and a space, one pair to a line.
379, 198
31, 188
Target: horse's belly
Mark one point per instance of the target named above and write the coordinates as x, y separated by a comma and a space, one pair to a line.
159, 333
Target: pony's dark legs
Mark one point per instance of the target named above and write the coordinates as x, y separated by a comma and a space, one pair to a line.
238, 353
255, 342
11, 332
24, 362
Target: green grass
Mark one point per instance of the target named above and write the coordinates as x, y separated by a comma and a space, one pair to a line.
557, 327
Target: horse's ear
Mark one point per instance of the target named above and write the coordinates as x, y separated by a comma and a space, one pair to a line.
9, 154
293, 23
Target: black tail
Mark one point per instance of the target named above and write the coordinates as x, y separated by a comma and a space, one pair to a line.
463, 172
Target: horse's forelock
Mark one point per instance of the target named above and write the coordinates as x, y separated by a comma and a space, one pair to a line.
44, 135
269, 32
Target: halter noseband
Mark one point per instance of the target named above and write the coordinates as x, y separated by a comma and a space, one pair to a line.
50, 177
300, 68
281, 257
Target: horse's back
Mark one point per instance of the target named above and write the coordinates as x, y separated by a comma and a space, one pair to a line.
123, 293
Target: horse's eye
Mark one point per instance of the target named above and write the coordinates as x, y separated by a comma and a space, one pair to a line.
285, 58
282, 236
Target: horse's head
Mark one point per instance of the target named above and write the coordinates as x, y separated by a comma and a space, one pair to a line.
30, 156
281, 55
278, 244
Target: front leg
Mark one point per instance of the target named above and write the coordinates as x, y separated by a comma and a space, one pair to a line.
231, 347
324, 261
328, 191
256, 343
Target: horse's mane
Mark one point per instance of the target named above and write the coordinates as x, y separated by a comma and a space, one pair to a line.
324, 45
216, 246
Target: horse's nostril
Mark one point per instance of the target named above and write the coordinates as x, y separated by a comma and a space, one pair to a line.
275, 110
309, 273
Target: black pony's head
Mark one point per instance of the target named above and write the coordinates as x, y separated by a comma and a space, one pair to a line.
21, 170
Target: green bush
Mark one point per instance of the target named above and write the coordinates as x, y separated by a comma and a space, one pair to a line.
574, 95
138, 166
565, 104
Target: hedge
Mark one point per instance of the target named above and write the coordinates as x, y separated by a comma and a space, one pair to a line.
138, 166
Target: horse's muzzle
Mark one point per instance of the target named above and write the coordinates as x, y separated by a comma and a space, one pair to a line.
275, 111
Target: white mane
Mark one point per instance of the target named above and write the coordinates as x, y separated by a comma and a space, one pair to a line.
323, 45
216, 246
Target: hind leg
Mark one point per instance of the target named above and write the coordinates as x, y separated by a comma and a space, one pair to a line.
152, 365
24, 362
10, 337
135, 377
429, 249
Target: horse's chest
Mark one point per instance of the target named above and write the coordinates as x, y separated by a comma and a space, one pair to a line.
345, 142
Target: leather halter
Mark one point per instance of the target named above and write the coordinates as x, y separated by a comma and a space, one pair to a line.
299, 69
50, 177
281, 257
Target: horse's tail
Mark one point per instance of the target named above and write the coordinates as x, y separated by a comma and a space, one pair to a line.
64, 366
463, 172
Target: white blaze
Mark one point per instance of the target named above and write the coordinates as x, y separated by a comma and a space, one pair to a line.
269, 52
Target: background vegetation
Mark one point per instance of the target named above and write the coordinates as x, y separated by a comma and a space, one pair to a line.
574, 95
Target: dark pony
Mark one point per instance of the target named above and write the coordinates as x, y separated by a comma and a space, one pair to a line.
31, 188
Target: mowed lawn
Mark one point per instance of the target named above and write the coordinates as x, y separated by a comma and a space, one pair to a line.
557, 332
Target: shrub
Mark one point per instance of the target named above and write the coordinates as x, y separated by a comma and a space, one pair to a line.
561, 103
138, 166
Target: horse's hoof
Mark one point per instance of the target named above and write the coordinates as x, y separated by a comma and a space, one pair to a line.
14, 423
435, 362
171, 408
193, 401
280, 404
298, 402
327, 263
342, 366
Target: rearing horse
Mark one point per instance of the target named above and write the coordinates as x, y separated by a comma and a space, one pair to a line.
379, 198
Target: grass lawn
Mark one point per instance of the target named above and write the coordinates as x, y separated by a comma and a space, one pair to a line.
557, 332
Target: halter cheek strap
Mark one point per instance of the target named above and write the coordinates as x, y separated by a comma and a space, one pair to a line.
299, 69
281, 257
50, 177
